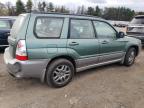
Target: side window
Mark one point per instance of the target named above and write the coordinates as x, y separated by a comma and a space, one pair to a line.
4, 24
104, 30
48, 27
81, 29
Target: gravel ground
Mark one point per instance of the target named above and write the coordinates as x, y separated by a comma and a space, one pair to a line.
111, 86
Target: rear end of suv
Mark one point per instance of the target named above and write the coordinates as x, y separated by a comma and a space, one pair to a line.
52, 47
136, 28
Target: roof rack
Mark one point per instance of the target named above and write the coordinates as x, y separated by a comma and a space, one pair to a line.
38, 12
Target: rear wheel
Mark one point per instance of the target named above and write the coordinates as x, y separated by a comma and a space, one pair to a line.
130, 57
59, 73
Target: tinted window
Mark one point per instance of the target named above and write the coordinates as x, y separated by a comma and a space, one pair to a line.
48, 27
104, 30
81, 29
137, 21
4, 25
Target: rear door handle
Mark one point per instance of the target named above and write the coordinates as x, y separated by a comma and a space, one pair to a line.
73, 43
105, 42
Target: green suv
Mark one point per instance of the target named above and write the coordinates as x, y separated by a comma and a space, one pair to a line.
52, 46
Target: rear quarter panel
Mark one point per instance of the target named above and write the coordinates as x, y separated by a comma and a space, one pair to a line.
46, 48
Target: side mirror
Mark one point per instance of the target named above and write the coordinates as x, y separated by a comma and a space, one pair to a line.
121, 35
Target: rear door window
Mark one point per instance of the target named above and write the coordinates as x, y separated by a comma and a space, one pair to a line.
138, 20
48, 27
81, 29
4, 25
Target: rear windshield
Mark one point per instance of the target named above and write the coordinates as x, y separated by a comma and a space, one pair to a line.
17, 26
139, 20
4, 24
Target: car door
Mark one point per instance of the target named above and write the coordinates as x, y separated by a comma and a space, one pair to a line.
82, 42
111, 48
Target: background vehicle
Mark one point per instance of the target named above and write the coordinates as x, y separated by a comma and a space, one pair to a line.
121, 24
5, 26
53, 47
136, 28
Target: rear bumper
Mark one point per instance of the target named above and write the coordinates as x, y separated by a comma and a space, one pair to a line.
25, 69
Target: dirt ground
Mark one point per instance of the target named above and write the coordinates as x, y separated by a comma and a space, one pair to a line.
111, 86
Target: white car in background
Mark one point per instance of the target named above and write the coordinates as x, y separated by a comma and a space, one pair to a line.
136, 28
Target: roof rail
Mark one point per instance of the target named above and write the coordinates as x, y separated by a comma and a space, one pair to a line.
38, 12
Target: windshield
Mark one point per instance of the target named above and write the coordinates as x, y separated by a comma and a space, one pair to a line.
17, 26
139, 20
4, 25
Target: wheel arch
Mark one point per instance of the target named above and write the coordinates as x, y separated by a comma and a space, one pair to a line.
136, 47
71, 59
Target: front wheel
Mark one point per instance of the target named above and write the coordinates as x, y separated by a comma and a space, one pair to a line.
130, 57
59, 73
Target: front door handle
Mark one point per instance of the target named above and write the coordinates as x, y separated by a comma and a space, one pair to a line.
73, 43
105, 42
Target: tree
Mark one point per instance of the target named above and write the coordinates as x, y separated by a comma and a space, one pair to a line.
64, 10
120, 13
43, 6
50, 7
57, 9
97, 11
3, 10
10, 9
39, 6
19, 7
29, 5
78, 10
81, 10
90, 11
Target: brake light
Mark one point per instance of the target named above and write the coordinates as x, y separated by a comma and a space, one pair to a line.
21, 52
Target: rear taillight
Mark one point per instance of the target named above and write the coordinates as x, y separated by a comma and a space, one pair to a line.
21, 52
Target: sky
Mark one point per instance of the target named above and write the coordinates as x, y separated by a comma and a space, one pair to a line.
137, 5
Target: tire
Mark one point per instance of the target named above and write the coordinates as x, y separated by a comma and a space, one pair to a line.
59, 73
130, 57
